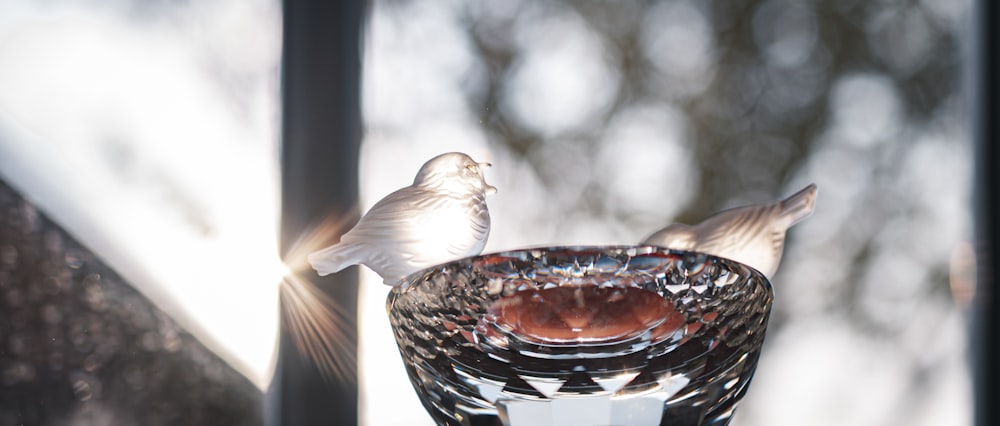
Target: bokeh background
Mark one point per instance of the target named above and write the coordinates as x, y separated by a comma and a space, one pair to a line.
603, 120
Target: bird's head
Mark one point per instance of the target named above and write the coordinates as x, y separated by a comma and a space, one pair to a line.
454, 171
676, 236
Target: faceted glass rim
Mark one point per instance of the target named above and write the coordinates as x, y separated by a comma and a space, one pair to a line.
631, 250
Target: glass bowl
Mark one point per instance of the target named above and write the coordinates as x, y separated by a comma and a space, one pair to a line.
602, 335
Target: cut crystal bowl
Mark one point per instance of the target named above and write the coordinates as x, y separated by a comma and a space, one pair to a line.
602, 335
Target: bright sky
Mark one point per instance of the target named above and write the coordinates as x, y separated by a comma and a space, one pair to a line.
116, 131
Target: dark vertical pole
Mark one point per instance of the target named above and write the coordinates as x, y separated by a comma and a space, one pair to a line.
321, 130
985, 335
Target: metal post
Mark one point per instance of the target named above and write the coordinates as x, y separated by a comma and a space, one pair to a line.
321, 131
985, 335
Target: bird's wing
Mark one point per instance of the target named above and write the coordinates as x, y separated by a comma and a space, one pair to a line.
386, 219
747, 235
734, 228
420, 224
389, 234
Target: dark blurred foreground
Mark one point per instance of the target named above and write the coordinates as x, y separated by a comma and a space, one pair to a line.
79, 346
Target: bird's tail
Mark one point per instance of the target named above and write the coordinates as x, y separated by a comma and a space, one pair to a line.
333, 259
800, 205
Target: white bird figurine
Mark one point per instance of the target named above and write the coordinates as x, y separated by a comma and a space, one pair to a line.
441, 217
753, 235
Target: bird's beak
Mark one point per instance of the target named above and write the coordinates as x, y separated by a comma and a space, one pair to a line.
490, 189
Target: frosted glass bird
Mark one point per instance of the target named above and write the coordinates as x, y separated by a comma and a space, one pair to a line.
753, 235
441, 217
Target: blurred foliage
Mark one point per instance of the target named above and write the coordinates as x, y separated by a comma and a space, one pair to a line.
755, 122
